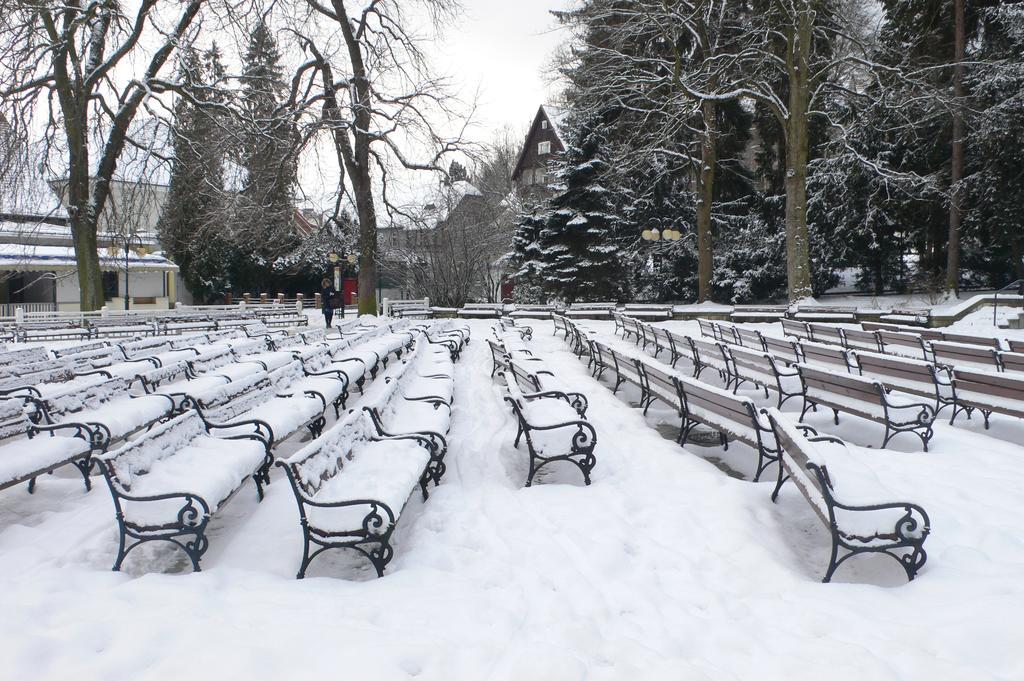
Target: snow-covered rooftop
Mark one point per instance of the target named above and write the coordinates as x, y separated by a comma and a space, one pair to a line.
26, 257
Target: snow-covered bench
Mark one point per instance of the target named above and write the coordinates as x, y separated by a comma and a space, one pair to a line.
351, 487
905, 344
186, 323
28, 355
705, 355
868, 399
731, 416
532, 311
861, 515
1012, 362
121, 325
966, 356
761, 369
858, 339
29, 450
560, 323
553, 431
911, 376
262, 406
824, 313
663, 340
590, 311
825, 333
831, 356
14, 377
50, 330
783, 349
105, 406
743, 313
508, 325
655, 312
751, 339
481, 310
392, 413
795, 329
169, 483
536, 381
988, 392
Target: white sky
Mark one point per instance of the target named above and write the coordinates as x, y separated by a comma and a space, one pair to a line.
502, 47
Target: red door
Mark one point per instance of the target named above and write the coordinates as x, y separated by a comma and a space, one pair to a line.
349, 291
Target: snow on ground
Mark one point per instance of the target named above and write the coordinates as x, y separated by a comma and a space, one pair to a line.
665, 568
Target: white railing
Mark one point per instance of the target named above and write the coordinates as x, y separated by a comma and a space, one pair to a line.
7, 309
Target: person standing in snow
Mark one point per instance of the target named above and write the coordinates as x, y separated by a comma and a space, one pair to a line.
327, 300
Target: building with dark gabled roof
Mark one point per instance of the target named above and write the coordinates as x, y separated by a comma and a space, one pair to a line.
543, 144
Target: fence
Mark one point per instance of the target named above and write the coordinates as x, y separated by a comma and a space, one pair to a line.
7, 309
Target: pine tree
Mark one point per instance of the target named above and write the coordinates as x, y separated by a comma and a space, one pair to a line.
264, 218
525, 260
579, 256
191, 223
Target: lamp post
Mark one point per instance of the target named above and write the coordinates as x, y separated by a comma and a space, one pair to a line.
333, 257
127, 276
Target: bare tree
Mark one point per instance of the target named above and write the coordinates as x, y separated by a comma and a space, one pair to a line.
452, 250
379, 100
59, 61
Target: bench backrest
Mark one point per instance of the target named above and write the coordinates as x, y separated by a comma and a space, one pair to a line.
728, 333
749, 362
726, 406
211, 359
90, 396
858, 339
90, 349
662, 378
803, 464
1012, 361
750, 338
1015, 345
648, 307
708, 328
784, 349
24, 356
325, 457
827, 355
839, 384
527, 380
162, 441
953, 354
879, 326
237, 397
313, 357
895, 369
1002, 385
167, 373
592, 306
909, 343
144, 346
707, 351
970, 339
825, 333
13, 418
795, 328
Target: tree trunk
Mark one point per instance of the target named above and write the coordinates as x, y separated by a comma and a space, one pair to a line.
957, 161
1017, 253
798, 264
367, 243
83, 221
706, 194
